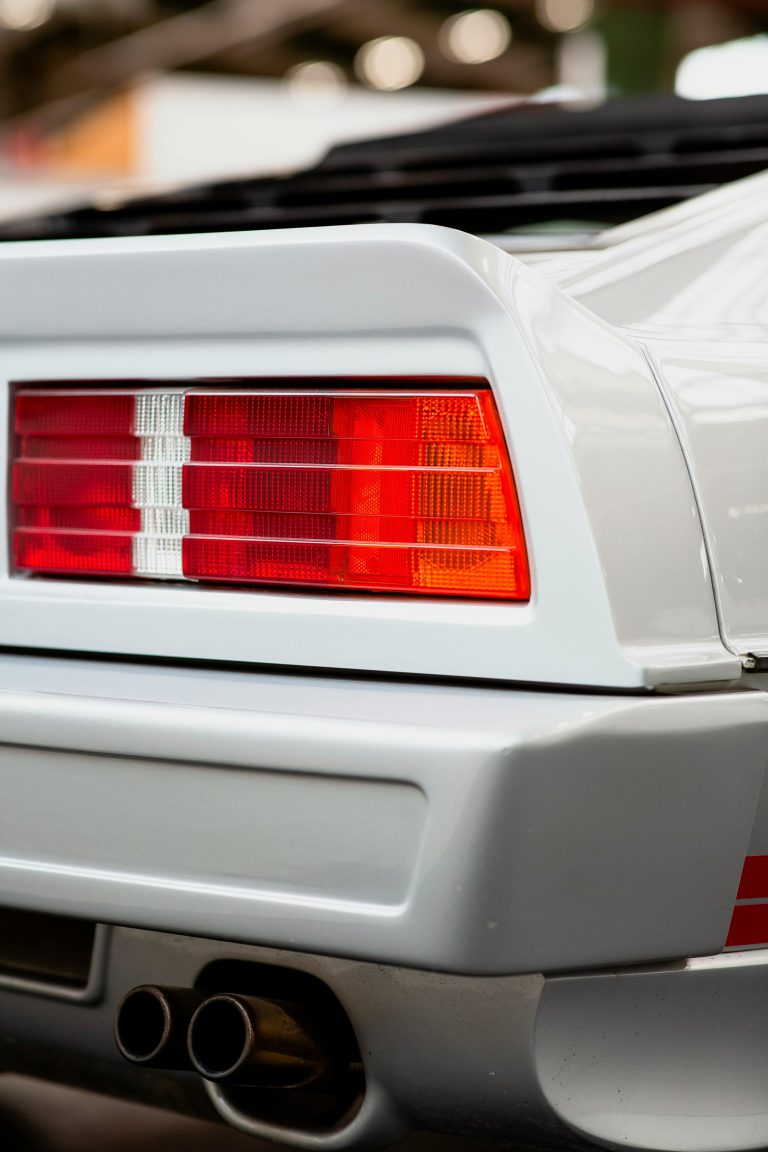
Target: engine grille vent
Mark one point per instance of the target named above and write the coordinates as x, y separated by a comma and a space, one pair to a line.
517, 168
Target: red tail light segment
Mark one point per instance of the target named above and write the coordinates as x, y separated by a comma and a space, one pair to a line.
386, 490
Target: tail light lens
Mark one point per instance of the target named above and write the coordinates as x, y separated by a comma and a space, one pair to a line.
403, 491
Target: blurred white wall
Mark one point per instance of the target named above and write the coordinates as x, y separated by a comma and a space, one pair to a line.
184, 128
737, 68
197, 127
29, 196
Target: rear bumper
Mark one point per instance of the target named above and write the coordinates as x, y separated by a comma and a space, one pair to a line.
462, 829
667, 1058
461, 865
673, 1058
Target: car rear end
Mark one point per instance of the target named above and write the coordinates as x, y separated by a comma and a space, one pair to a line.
378, 750
372, 753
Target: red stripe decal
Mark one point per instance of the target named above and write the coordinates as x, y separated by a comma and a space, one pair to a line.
754, 879
749, 925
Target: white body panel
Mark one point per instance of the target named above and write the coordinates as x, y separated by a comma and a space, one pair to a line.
695, 293
622, 595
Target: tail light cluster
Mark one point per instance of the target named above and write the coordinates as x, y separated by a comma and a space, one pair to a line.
401, 490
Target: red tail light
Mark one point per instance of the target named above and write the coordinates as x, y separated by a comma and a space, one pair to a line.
381, 490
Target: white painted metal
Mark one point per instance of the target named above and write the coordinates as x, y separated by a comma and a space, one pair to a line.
664, 275
340, 815
695, 292
622, 593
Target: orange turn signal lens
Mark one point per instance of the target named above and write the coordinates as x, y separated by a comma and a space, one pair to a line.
371, 490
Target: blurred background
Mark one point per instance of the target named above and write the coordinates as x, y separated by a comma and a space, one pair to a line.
117, 94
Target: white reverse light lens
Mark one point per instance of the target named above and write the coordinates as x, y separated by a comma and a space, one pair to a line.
389, 63
159, 422
159, 414
475, 37
564, 15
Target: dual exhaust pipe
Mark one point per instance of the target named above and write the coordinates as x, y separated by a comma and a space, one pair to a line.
227, 1038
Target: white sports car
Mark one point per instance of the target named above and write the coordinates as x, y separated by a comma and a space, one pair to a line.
384, 637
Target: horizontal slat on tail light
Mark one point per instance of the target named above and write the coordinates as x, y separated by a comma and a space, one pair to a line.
399, 490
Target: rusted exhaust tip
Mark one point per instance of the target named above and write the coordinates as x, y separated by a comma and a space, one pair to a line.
151, 1025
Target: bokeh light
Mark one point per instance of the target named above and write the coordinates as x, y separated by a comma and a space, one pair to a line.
564, 15
24, 15
316, 77
389, 63
476, 36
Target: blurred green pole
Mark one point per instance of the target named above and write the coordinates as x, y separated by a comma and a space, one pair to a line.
635, 41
